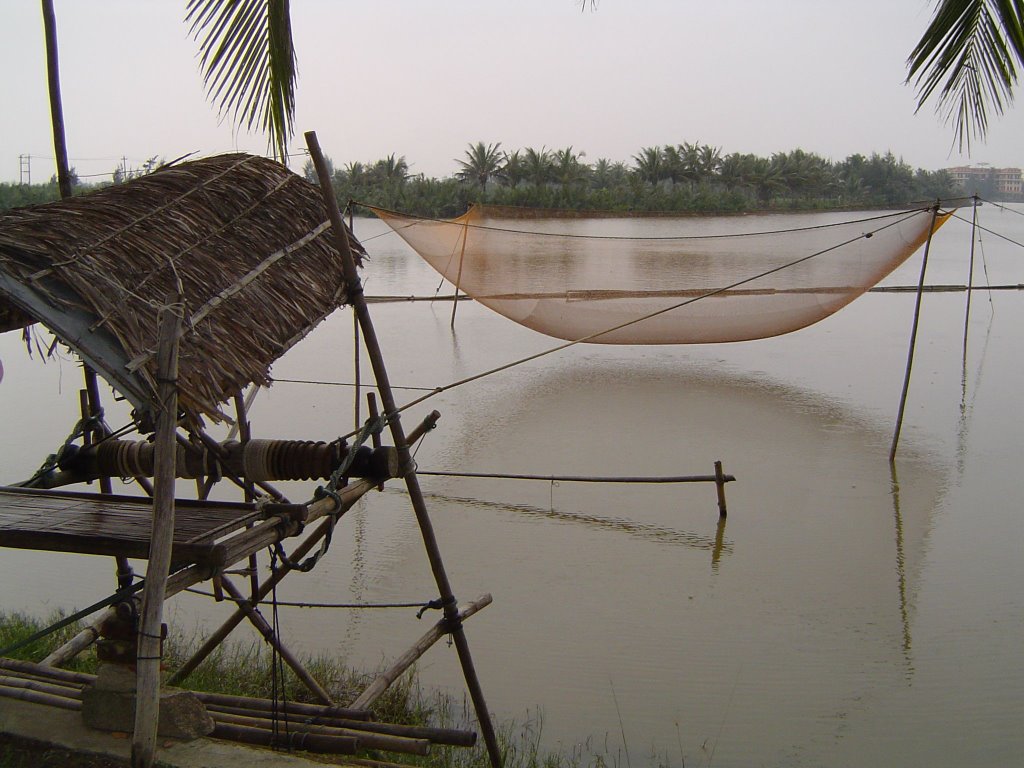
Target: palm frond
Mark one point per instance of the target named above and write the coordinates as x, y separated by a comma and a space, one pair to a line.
968, 59
248, 63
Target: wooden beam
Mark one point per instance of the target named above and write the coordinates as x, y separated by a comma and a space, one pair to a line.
150, 646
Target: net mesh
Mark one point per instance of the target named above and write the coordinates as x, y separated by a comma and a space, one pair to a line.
664, 280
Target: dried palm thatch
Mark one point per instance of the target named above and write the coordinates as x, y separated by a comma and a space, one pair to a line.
244, 241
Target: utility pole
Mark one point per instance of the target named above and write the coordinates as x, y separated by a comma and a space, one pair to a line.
25, 169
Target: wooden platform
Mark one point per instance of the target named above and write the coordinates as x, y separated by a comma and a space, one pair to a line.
89, 523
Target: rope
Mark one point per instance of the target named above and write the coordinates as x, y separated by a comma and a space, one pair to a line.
529, 358
1002, 207
990, 231
332, 606
342, 384
277, 681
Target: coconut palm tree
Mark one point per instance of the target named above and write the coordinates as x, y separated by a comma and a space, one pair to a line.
248, 61
649, 164
513, 168
539, 165
483, 162
391, 169
568, 168
968, 59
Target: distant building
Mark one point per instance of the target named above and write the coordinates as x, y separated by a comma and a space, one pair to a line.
1004, 183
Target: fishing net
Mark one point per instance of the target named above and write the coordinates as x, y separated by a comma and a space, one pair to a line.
664, 280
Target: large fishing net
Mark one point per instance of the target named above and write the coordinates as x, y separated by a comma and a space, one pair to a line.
661, 279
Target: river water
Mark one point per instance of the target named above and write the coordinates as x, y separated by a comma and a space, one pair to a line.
846, 614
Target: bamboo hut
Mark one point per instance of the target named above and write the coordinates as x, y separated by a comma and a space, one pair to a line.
239, 237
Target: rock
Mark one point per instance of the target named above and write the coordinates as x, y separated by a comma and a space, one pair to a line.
182, 715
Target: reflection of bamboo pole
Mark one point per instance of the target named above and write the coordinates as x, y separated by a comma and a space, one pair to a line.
355, 296
913, 338
458, 277
901, 564
716, 552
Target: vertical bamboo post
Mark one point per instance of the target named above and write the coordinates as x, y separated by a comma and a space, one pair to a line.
970, 289
60, 146
147, 702
458, 277
358, 421
245, 435
358, 301
371, 406
913, 338
720, 487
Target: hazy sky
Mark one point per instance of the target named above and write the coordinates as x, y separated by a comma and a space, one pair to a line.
424, 79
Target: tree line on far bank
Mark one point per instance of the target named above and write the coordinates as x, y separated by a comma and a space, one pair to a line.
681, 178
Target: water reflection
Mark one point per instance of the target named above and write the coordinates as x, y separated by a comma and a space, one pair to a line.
646, 531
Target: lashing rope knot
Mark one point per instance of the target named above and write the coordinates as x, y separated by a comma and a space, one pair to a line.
435, 605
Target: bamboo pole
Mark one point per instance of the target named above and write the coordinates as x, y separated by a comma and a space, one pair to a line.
245, 435
264, 628
14, 681
268, 706
335, 745
366, 739
371, 407
407, 659
585, 478
39, 670
720, 487
147, 702
355, 296
913, 339
458, 277
448, 736
970, 290
60, 145
37, 697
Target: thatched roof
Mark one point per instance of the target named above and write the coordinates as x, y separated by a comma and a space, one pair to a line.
247, 241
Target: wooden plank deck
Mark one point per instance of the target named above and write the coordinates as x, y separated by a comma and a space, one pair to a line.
88, 523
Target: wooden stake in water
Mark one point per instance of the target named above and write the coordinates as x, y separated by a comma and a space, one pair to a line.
913, 338
458, 277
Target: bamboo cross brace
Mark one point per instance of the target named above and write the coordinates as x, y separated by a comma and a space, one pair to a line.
374, 691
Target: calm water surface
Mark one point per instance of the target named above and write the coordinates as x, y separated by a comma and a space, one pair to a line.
845, 615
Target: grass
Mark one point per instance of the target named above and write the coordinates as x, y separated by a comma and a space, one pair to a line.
246, 670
